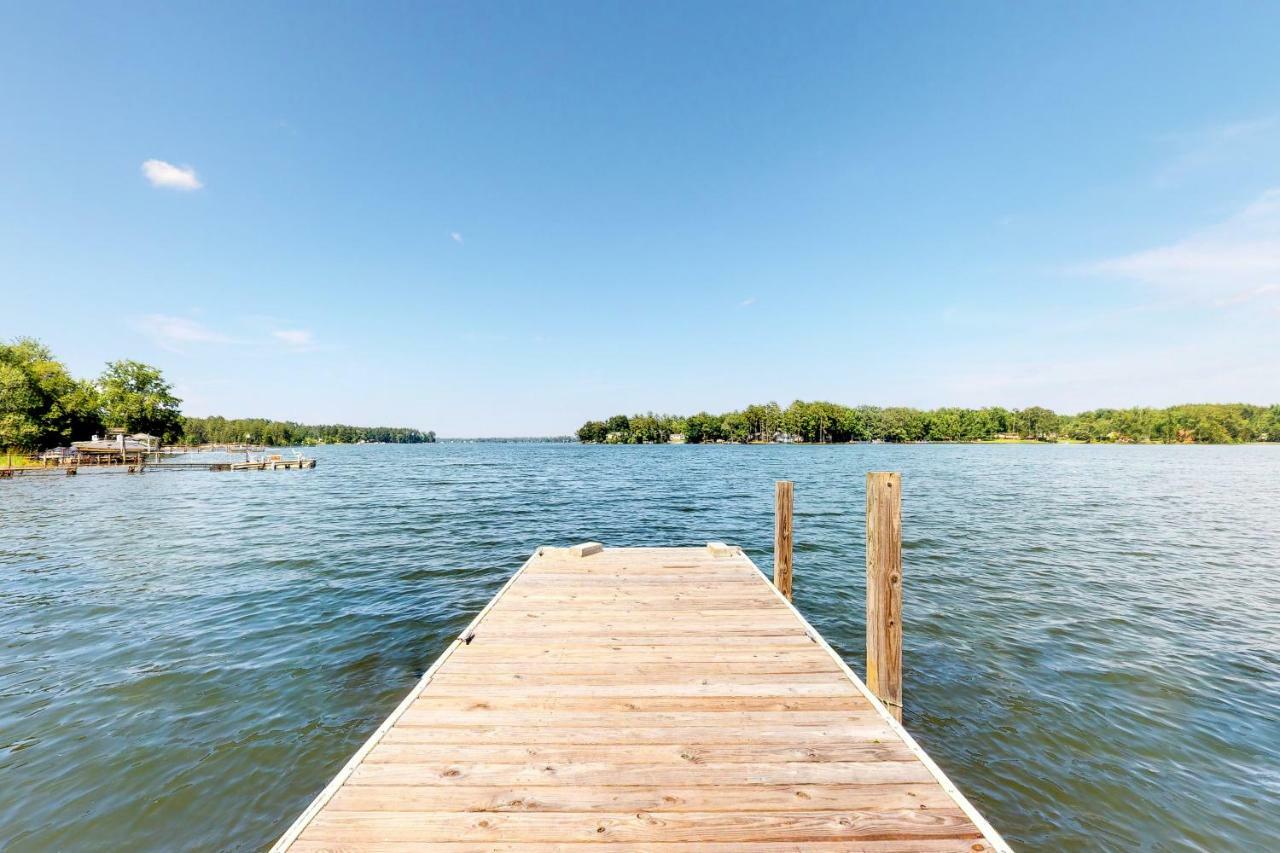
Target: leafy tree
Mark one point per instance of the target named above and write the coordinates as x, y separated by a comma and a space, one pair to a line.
903, 424
41, 405
618, 424
1037, 422
737, 427
945, 425
136, 398
703, 427
1269, 424
20, 408
855, 424
763, 422
1211, 431
593, 432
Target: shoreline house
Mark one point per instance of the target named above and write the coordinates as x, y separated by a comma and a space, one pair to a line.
117, 446
59, 456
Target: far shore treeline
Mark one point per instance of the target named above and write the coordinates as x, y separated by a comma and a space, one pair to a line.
822, 422
219, 430
43, 406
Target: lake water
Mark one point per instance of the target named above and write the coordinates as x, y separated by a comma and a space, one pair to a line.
1092, 633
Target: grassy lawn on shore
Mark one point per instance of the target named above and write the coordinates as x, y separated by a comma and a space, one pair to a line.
17, 459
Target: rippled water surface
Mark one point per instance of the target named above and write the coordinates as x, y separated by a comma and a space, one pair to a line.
1092, 633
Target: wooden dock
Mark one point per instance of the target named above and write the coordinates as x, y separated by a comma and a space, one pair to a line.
640, 699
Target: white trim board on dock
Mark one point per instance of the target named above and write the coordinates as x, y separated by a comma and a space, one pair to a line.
639, 699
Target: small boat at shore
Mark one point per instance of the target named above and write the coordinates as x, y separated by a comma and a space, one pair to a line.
274, 462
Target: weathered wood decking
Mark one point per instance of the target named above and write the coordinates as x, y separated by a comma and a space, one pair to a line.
641, 699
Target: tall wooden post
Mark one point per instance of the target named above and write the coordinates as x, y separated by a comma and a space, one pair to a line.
884, 588
782, 541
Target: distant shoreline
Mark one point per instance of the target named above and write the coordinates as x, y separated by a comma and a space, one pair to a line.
549, 439
967, 442
823, 422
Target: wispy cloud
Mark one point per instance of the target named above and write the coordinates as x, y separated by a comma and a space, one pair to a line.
169, 176
1217, 146
1222, 365
748, 302
455, 237
172, 333
1230, 262
1266, 290
299, 339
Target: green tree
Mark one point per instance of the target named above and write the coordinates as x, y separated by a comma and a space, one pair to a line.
1211, 431
854, 424
703, 427
903, 424
41, 405
21, 408
945, 425
737, 427
593, 431
1269, 424
618, 429
1037, 422
136, 398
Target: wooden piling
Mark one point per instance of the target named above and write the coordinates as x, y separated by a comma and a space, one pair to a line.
884, 588
782, 539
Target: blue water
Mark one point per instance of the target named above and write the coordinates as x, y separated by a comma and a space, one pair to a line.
1092, 633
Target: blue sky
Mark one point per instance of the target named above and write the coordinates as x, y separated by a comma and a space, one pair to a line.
500, 219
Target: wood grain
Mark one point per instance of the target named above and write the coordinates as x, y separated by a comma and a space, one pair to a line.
782, 536
640, 698
884, 589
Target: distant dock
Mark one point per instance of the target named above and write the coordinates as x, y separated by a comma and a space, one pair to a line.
180, 449
641, 699
154, 462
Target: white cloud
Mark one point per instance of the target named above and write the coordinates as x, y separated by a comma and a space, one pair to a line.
455, 237
172, 332
1231, 364
1233, 261
295, 338
1243, 296
750, 300
1217, 147
169, 176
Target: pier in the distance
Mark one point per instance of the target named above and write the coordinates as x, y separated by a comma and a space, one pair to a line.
641, 698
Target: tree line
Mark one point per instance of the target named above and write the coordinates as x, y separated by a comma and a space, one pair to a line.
822, 422
219, 430
42, 406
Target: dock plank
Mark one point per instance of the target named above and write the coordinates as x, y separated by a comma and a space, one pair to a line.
533, 733
692, 752
917, 845
634, 697
670, 798
597, 827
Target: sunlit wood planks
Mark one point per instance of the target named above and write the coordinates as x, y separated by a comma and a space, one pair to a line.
635, 697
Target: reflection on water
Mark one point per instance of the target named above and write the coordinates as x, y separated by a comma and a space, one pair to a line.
1092, 633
